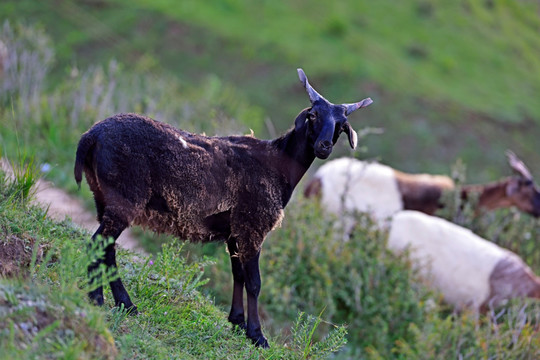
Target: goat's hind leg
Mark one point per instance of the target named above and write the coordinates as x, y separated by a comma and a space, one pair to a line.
96, 295
94, 275
112, 225
236, 316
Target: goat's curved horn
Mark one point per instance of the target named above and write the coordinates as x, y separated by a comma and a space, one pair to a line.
358, 105
313, 95
518, 166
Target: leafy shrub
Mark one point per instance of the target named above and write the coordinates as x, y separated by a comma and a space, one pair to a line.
303, 330
310, 265
511, 333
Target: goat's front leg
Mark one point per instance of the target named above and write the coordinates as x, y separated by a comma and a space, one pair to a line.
236, 316
253, 287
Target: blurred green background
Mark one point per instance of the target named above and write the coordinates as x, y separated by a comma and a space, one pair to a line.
449, 79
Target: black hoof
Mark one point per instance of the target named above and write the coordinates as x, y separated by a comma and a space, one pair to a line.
260, 342
96, 297
257, 337
238, 321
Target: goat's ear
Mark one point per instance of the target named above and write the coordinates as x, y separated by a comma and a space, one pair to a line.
300, 120
353, 136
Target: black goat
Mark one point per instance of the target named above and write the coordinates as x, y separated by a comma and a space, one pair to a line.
201, 188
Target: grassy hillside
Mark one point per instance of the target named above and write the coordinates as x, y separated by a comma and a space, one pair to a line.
196, 68
449, 79
417, 46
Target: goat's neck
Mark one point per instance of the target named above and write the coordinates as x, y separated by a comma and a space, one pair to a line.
294, 157
490, 196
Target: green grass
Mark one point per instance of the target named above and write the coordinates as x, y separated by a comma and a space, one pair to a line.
396, 45
36, 322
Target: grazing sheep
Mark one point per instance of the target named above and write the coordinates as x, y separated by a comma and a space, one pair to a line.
381, 190
468, 270
231, 189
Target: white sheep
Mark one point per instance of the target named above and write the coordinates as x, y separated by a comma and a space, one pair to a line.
468, 270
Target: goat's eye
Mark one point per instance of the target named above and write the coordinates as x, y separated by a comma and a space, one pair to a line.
312, 116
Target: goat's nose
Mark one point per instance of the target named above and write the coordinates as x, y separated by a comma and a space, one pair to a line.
325, 144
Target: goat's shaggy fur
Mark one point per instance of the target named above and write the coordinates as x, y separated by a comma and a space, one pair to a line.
201, 188
195, 187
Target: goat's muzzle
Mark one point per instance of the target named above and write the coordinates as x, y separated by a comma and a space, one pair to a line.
323, 149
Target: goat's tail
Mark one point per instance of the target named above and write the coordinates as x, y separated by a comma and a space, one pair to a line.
85, 145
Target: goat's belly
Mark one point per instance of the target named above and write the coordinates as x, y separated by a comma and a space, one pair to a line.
191, 228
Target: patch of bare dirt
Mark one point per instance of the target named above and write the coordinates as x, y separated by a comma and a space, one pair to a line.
16, 256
